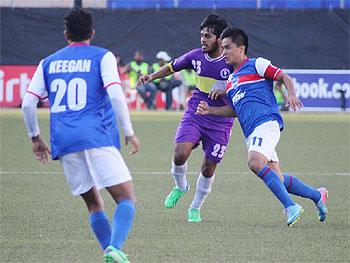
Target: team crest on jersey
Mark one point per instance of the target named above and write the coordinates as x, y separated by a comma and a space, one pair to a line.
224, 73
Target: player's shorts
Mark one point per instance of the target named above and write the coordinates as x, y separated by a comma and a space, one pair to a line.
214, 142
101, 167
264, 140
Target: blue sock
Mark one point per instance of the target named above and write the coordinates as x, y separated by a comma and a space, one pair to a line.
297, 187
272, 181
100, 225
122, 222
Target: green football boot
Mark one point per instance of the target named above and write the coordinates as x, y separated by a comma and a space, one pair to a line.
174, 196
113, 255
194, 215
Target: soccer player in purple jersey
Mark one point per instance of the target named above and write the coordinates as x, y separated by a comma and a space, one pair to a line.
85, 95
250, 89
214, 132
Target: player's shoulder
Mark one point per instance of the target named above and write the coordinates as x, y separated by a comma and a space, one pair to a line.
95, 52
256, 63
261, 60
55, 54
195, 53
261, 65
98, 49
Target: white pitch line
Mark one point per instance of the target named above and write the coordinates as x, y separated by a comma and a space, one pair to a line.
166, 172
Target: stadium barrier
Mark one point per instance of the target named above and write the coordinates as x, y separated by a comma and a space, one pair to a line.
319, 90
14, 80
322, 90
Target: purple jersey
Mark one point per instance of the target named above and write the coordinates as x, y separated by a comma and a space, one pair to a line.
213, 131
212, 74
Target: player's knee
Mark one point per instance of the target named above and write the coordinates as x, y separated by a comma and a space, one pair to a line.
180, 158
181, 153
95, 206
208, 173
130, 198
208, 168
255, 165
124, 195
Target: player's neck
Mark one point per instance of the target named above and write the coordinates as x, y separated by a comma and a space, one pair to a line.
215, 53
79, 43
240, 62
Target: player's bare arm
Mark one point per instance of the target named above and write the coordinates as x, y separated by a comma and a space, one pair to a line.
161, 73
204, 109
40, 149
292, 99
134, 142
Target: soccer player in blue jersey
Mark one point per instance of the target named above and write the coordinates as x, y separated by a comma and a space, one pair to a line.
250, 89
85, 95
212, 131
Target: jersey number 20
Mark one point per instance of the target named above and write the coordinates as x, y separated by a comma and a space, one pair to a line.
76, 94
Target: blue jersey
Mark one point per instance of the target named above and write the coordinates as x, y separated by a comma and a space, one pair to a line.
81, 115
250, 89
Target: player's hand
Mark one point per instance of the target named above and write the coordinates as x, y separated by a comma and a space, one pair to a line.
293, 102
214, 94
135, 144
40, 149
143, 80
202, 108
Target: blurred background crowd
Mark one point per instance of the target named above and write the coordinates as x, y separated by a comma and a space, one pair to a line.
147, 34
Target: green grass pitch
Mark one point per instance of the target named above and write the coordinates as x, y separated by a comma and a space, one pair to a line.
242, 221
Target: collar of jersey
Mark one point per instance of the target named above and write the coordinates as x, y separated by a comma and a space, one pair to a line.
241, 65
79, 44
213, 59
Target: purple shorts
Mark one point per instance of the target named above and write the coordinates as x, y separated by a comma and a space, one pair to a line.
194, 129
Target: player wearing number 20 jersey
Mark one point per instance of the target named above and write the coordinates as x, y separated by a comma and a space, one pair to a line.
79, 103
85, 96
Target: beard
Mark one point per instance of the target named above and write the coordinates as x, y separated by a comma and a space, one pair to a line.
215, 47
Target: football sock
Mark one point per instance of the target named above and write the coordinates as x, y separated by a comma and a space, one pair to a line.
100, 225
202, 190
297, 187
122, 222
272, 181
179, 175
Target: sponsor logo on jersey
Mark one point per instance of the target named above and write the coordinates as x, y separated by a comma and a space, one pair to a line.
238, 96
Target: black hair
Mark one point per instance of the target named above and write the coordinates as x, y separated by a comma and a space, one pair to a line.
214, 22
238, 36
78, 24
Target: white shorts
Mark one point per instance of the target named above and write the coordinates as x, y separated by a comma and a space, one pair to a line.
101, 167
264, 140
